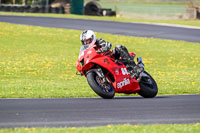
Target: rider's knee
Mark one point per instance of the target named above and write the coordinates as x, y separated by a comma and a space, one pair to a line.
118, 46
117, 49
121, 47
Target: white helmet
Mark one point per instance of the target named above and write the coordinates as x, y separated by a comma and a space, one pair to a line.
88, 37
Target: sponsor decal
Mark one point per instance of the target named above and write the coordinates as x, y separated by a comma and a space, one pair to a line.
106, 61
117, 72
123, 83
89, 52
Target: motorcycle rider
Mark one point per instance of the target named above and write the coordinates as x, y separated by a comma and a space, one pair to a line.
88, 37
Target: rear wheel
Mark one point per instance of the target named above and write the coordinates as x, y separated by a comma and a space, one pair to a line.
148, 86
105, 90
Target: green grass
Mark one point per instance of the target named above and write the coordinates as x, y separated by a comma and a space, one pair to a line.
170, 128
38, 62
195, 22
147, 2
153, 8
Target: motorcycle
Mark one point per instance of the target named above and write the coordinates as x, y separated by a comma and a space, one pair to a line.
107, 75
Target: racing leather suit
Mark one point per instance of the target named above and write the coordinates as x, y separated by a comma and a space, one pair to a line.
118, 51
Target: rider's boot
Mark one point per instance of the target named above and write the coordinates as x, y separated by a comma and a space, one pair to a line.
139, 66
136, 69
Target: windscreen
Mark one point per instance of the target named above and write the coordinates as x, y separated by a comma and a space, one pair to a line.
83, 48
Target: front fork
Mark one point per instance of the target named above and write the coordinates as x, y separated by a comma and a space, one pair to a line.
100, 73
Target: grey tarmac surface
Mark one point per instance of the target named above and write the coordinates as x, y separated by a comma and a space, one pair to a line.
68, 112
128, 29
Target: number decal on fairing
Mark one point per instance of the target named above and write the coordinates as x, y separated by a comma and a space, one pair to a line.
124, 71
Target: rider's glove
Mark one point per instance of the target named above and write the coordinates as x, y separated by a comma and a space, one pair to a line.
102, 50
105, 46
101, 42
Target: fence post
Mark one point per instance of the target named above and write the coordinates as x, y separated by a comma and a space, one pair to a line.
24, 2
192, 13
47, 3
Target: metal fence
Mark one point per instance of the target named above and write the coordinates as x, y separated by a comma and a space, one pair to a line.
164, 9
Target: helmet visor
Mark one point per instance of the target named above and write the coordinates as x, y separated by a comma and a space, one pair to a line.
88, 41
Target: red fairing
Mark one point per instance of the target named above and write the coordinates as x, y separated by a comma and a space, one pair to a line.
78, 66
123, 83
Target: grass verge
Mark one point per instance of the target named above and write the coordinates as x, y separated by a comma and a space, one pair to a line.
195, 22
172, 128
38, 62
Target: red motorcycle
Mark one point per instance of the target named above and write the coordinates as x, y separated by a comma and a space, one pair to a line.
107, 75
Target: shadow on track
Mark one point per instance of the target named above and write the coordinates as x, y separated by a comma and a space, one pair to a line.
139, 97
133, 97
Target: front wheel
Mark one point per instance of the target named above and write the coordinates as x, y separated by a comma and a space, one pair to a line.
105, 90
148, 86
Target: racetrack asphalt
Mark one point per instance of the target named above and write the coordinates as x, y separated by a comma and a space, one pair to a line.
128, 29
70, 112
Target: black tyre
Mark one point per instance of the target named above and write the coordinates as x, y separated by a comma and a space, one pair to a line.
148, 87
55, 10
61, 10
104, 90
92, 8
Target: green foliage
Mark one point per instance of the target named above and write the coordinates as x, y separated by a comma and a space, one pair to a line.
8, 1
41, 62
11, 1
154, 8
